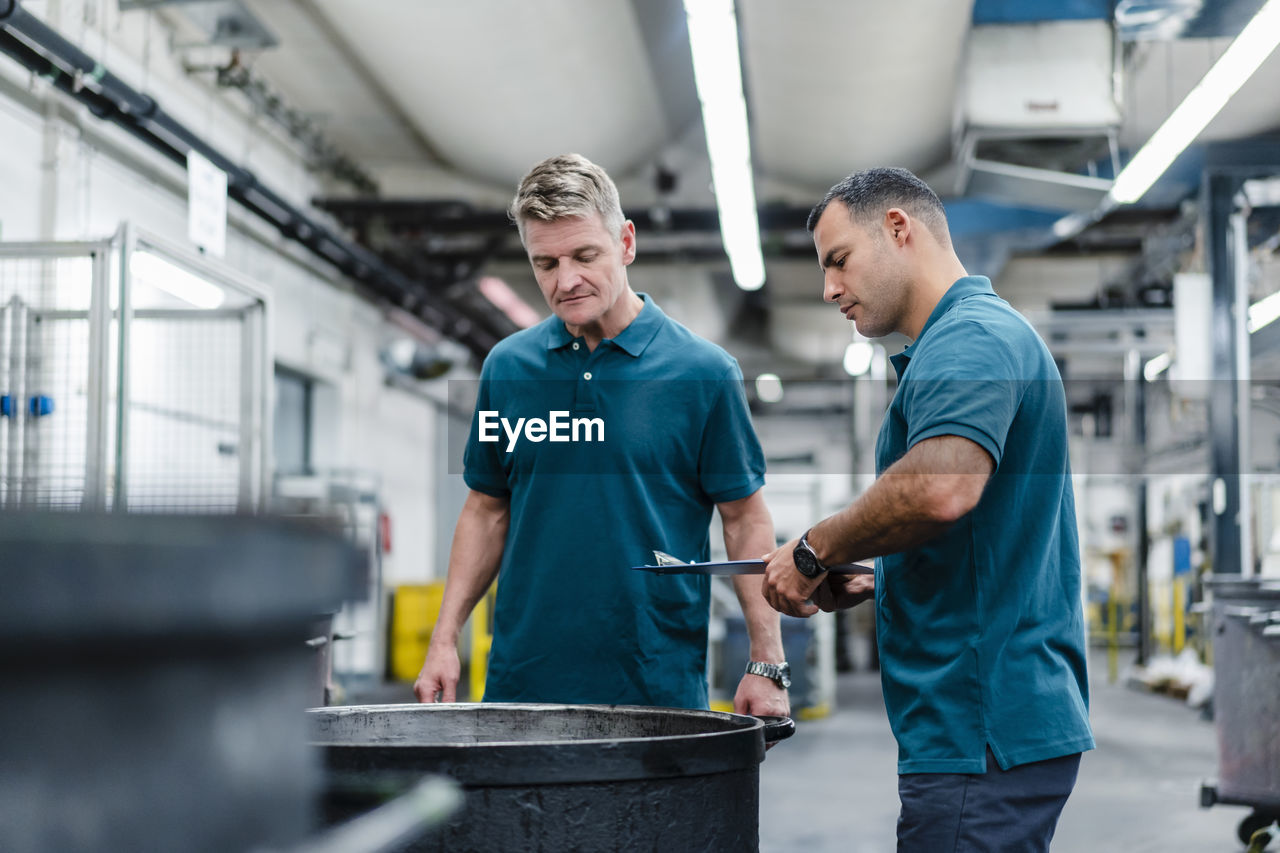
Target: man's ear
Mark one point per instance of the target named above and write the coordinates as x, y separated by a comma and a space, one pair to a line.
628, 242
897, 224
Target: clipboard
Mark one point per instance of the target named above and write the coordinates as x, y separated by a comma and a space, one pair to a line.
668, 565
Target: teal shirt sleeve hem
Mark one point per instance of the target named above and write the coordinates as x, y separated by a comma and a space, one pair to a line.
492, 488
746, 490
977, 436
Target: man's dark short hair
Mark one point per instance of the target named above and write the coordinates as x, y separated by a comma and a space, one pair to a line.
871, 192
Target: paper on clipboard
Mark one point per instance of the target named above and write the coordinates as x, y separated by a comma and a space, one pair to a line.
668, 565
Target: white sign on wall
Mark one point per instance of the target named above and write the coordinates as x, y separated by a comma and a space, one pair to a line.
206, 204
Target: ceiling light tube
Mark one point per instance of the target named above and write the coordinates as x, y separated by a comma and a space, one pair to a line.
1156, 366
717, 70
1249, 50
1264, 312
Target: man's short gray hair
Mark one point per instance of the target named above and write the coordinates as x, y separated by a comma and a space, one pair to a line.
563, 186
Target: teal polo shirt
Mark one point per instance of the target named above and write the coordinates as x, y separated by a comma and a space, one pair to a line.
663, 433
981, 630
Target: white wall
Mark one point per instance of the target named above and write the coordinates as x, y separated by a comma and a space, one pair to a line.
19, 171
65, 175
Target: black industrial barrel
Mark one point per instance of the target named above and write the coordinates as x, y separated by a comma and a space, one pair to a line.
1246, 700
557, 777
155, 674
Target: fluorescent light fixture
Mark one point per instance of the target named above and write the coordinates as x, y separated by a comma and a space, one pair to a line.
1249, 50
155, 271
857, 357
1263, 312
500, 294
1069, 226
1156, 366
717, 70
1073, 223
769, 387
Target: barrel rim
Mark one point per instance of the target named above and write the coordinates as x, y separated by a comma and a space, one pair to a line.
743, 722
526, 762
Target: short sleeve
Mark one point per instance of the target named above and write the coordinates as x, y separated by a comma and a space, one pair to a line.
965, 383
730, 460
482, 467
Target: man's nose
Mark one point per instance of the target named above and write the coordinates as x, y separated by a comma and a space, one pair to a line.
569, 274
831, 289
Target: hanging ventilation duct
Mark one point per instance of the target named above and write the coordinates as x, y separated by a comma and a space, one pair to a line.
1039, 111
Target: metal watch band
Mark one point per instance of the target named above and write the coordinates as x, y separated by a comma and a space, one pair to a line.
778, 673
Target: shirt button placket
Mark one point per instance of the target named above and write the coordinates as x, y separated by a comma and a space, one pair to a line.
584, 397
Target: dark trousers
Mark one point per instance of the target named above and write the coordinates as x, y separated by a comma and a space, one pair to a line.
1000, 811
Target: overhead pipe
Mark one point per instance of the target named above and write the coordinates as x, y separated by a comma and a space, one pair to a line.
41, 49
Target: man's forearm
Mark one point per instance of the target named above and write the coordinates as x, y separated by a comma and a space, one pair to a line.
748, 533
881, 521
763, 629
476, 553
913, 502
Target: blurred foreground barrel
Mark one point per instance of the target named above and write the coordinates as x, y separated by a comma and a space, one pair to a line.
155, 672
557, 777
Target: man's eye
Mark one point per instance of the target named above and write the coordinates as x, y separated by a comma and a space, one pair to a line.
547, 266
586, 259
840, 264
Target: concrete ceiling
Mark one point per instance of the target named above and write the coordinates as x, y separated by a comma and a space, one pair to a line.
837, 86
456, 100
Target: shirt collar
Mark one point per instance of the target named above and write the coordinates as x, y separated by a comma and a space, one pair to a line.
969, 285
631, 340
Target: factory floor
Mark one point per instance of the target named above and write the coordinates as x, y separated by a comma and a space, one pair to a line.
833, 786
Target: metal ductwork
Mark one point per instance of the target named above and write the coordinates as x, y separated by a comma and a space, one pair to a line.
41, 49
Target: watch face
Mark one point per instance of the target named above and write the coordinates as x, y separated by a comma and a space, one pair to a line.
806, 563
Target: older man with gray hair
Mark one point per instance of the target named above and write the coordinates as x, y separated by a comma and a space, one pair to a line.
560, 522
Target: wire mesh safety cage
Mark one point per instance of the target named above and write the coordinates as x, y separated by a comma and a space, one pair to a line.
180, 423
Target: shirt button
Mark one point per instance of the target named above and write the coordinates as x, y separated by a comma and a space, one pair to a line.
587, 375
575, 344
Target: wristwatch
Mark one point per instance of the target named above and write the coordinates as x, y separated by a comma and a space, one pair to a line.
779, 673
806, 559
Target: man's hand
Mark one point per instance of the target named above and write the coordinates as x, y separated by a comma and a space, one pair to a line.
761, 697
439, 676
786, 590
840, 592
